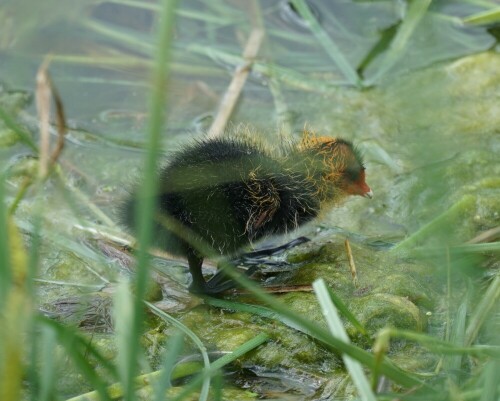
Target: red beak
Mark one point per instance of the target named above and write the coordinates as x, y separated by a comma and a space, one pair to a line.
364, 189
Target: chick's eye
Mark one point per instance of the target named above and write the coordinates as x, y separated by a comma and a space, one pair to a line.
352, 175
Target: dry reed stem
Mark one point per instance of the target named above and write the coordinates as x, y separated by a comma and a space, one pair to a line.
43, 95
352, 266
45, 92
234, 89
486, 236
61, 124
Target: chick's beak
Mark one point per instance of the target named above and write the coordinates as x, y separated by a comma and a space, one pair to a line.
361, 190
365, 190
368, 194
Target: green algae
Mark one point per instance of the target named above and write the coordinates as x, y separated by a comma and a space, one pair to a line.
408, 287
8, 137
375, 306
14, 101
381, 310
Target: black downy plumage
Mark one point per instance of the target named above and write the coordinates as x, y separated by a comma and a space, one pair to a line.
227, 192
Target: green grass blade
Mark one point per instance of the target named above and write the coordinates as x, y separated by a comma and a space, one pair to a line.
457, 335
261, 311
490, 391
122, 318
337, 329
288, 76
447, 218
165, 26
193, 337
47, 374
271, 314
203, 16
172, 351
186, 330
15, 313
483, 18
483, 310
76, 348
5, 273
220, 363
386, 37
240, 351
416, 12
77, 342
218, 385
444, 347
476, 393
34, 254
119, 35
478, 248
327, 43
342, 308
24, 135
158, 379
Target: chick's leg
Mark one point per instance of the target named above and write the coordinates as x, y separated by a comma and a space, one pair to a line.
219, 283
195, 261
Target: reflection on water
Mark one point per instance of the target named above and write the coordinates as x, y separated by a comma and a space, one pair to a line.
101, 58
102, 53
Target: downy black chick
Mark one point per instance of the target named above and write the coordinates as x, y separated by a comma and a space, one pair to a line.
228, 192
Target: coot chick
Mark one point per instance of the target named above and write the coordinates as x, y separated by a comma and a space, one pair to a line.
230, 191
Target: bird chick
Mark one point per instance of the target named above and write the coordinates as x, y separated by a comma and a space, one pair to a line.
227, 192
